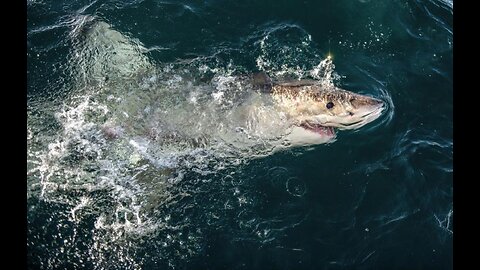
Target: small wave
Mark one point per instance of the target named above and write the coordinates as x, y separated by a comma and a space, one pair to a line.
448, 3
446, 223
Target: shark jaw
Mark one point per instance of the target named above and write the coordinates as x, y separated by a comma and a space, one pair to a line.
310, 135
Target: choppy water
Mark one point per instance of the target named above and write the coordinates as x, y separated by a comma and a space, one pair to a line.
138, 157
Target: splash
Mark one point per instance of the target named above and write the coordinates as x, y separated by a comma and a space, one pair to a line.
138, 145
324, 72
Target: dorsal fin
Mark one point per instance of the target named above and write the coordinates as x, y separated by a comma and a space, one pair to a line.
262, 81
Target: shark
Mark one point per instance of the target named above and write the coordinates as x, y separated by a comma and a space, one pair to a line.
170, 108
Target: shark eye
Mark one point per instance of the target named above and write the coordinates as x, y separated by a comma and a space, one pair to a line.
329, 105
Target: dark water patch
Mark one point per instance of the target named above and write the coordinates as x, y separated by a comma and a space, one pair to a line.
53, 240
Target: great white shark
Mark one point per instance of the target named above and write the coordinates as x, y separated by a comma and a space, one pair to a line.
251, 111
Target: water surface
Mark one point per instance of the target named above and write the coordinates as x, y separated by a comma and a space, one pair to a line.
167, 71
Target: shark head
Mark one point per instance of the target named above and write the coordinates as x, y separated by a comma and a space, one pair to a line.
316, 111
343, 109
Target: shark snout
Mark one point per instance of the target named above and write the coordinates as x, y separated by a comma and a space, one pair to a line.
373, 106
378, 103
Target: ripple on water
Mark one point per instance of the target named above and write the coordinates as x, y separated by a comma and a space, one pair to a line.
296, 186
278, 176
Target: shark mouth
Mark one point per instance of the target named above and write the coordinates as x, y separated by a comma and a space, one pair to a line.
318, 129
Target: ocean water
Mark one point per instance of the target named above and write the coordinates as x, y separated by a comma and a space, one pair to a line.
138, 159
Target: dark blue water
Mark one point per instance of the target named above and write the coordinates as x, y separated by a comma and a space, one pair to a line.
377, 198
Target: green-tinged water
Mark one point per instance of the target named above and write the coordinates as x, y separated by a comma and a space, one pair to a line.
146, 150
